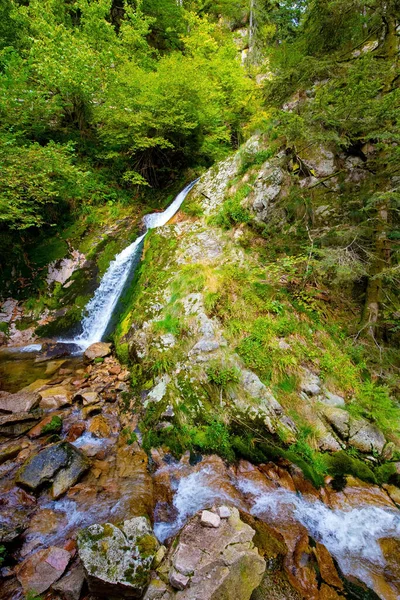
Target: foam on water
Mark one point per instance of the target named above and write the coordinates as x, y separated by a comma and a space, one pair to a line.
350, 536
100, 308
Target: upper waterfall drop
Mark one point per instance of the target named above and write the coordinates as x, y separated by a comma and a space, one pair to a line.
99, 310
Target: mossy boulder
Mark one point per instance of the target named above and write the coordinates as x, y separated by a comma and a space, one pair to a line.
118, 560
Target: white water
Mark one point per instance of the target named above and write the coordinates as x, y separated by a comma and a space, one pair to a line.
350, 536
100, 308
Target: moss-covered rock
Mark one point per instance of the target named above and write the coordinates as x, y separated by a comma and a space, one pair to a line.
118, 560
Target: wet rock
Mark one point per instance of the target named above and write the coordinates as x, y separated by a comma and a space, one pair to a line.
394, 493
391, 551
19, 402
3, 338
100, 427
70, 586
38, 572
97, 350
16, 424
75, 431
214, 564
209, 519
60, 464
55, 397
118, 560
12, 523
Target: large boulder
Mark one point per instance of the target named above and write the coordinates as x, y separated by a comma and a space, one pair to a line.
39, 571
60, 464
19, 402
55, 397
97, 350
118, 560
211, 563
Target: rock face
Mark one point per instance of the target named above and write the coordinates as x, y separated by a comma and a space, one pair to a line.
20, 402
118, 561
98, 350
60, 464
211, 563
38, 572
358, 433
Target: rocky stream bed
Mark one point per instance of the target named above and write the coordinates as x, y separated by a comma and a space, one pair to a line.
86, 514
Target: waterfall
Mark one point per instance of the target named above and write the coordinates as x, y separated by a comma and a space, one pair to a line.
99, 310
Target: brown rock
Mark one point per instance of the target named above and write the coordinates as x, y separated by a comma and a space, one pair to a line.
75, 431
38, 572
98, 350
100, 427
328, 593
55, 397
394, 493
20, 402
391, 551
327, 567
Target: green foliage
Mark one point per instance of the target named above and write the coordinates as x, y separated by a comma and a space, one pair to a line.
374, 402
54, 426
233, 212
3, 554
340, 464
130, 436
222, 376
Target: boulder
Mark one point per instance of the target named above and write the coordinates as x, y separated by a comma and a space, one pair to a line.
60, 464
212, 563
118, 560
39, 571
16, 424
70, 586
368, 438
20, 402
55, 397
97, 350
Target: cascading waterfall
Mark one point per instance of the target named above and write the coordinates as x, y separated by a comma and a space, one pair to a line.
99, 310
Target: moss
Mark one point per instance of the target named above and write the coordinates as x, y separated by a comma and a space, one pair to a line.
340, 464
61, 325
54, 426
147, 545
4, 327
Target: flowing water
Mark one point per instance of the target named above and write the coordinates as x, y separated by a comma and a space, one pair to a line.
99, 310
351, 535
